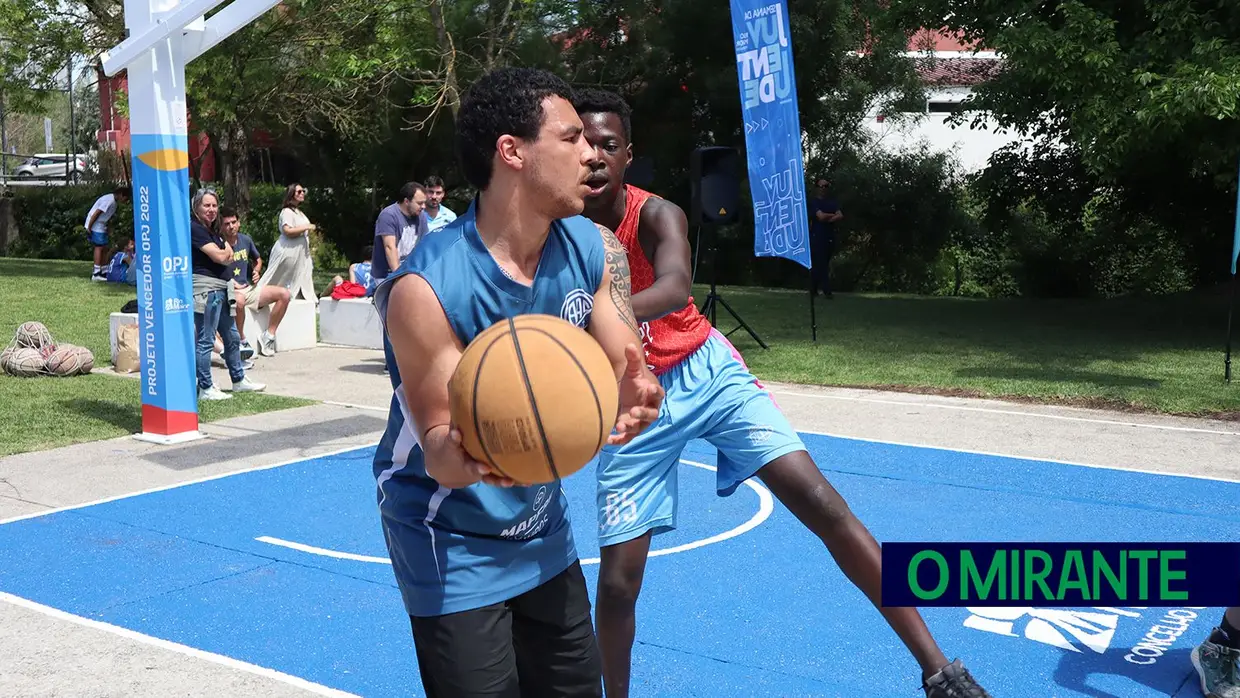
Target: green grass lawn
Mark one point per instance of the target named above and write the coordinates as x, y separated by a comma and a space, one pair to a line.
45, 412
1163, 354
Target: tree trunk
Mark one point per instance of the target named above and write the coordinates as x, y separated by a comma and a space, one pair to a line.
452, 93
498, 25
234, 149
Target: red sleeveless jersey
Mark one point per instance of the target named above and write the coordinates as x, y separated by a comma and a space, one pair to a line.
673, 337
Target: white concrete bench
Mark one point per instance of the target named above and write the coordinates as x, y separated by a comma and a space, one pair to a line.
351, 322
298, 329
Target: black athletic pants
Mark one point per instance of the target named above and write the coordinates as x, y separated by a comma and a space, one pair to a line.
539, 644
820, 275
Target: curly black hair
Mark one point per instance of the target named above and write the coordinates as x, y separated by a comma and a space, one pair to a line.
504, 101
595, 101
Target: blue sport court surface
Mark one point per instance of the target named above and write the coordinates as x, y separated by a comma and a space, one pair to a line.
285, 568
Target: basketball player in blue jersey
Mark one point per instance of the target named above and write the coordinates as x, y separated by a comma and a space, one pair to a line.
711, 395
488, 570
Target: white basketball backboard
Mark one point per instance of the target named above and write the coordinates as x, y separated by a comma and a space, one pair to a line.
186, 19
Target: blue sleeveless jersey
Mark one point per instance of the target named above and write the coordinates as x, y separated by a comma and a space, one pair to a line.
456, 550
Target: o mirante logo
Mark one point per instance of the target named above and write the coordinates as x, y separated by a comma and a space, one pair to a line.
1061, 574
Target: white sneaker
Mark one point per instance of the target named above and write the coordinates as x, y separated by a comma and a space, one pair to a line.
248, 386
266, 344
213, 393
247, 351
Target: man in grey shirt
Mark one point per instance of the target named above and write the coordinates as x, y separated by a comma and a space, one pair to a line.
398, 228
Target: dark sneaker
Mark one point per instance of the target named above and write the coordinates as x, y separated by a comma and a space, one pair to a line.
1218, 667
954, 681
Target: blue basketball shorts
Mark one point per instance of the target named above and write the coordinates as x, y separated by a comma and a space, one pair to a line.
710, 395
98, 238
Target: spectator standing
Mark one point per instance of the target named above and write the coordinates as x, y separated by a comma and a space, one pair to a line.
97, 227
291, 264
824, 213
437, 215
211, 261
398, 228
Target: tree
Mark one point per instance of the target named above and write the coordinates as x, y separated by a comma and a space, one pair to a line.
37, 41
478, 36
1146, 94
675, 62
303, 69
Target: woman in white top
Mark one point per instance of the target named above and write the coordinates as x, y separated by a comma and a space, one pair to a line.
290, 265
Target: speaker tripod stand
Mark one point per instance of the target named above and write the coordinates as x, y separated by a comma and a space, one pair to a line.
713, 299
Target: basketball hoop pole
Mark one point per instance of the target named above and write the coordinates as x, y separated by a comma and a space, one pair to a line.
155, 55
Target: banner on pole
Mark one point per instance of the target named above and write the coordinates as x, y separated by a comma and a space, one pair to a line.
1235, 241
162, 37
772, 129
165, 308
160, 151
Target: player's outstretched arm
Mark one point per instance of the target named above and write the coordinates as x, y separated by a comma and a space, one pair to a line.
664, 236
614, 327
427, 352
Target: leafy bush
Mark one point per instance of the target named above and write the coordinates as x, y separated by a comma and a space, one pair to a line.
342, 218
901, 211
1029, 225
51, 221
1057, 233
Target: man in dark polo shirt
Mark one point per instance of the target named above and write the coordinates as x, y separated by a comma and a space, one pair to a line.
824, 213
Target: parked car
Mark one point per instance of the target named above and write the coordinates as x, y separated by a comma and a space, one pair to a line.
51, 166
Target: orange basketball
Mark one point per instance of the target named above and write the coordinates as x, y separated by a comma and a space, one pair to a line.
534, 396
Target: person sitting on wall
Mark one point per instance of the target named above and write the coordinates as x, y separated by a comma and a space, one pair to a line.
248, 291
359, 273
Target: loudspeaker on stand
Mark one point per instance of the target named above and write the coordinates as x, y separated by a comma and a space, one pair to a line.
715, 179
715, 182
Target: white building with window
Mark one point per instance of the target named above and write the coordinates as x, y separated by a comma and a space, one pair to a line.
950, 71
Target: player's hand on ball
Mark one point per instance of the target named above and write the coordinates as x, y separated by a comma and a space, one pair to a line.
450, 465
640, 398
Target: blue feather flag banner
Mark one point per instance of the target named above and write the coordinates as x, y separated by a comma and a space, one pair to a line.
1235, 241
772, 129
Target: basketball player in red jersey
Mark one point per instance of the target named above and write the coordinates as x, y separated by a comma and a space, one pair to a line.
710, 394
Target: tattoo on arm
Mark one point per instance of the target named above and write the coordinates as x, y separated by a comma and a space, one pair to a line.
617, 262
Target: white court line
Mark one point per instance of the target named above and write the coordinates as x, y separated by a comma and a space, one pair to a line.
325, 552
355, 406
965, 408
766, 505
175, 485
803, 431
176, 647
995, 454
1015, 457
1019, 413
